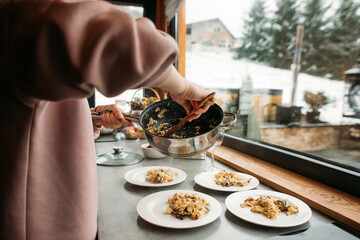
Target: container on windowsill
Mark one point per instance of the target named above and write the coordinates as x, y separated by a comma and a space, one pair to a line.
106, 131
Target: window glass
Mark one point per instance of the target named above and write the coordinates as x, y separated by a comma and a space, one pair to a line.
135, 11
287, 68
122, 99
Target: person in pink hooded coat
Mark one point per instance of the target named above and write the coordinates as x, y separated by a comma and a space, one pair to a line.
53, 54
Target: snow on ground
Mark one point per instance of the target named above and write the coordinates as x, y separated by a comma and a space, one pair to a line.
217, 69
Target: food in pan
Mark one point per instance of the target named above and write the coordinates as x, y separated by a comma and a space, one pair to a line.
227, 179
162, 128
159, 127
183, 205
160, 175
159, 130
156, 130
151, 122
270, 207
161, 113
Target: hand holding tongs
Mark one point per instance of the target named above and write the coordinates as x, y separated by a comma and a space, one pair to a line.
182, 122
96, 116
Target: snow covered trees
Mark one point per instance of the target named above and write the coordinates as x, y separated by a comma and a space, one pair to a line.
343, 42
331, 41
283, 29
256, 41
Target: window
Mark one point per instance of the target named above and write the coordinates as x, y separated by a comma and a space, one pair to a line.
223, 44
135, 11
288, 71
138, 9
207, 43
188, 31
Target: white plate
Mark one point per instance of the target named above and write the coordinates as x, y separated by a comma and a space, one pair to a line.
152, 209
234, 200
138, 176
207, 180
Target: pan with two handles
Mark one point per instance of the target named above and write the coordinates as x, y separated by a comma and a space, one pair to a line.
192, 138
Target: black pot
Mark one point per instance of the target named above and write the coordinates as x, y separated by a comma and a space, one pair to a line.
288, 114
312, 117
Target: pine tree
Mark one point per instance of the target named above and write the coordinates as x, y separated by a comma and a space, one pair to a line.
255, 40
283, 33
314, 59
343, 44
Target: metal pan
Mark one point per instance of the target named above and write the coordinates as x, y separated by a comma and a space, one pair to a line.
193, 137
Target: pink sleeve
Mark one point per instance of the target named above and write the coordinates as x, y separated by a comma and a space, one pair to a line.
70, 48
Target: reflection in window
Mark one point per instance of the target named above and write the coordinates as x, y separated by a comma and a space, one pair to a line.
254, 76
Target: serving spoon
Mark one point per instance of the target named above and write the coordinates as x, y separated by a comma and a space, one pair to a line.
183, 121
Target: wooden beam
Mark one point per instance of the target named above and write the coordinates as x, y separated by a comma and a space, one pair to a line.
161, 23
182, 40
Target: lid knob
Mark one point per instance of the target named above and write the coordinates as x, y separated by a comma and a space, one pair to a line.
117, 150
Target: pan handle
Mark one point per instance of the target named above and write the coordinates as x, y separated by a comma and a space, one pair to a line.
231, 123
96, 116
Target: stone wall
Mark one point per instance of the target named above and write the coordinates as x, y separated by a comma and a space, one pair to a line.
310, 138
345, 139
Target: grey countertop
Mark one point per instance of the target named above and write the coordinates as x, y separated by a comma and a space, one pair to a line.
118, 218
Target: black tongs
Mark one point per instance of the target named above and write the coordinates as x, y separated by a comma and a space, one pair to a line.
131, 118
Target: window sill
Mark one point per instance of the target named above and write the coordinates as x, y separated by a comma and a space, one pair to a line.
339, 205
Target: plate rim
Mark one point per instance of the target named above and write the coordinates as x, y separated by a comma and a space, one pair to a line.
196, 177
126, 177
144, 201
250, 193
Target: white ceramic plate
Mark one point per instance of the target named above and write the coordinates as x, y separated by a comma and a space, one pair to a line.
234, 200
207, 180
138, 176
152, 209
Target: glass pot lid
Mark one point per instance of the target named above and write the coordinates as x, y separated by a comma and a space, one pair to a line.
118, 158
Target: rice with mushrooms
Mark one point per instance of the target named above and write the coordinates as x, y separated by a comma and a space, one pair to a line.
183, 205
160, 175
227, 179
270, 207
